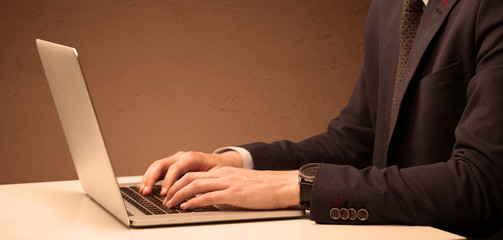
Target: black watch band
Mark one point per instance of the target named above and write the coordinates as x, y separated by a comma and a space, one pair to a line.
305, 193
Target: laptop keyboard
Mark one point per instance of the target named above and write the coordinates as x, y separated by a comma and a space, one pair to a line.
152, 204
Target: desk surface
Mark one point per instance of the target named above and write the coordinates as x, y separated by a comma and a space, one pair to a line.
61, 210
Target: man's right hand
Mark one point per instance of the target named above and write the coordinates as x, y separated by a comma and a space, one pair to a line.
172, 168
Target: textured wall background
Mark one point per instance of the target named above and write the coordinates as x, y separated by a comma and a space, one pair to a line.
175, 75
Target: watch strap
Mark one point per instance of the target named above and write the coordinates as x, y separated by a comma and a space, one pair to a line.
305, 193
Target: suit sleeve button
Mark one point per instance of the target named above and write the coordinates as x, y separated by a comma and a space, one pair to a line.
352, 214
335, 213
362, 214
344, 214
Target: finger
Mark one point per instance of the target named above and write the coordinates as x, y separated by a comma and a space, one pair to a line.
173, 174
193, 188
179, 184
156, 172
184, 181
207, 199
153, 174
185, 162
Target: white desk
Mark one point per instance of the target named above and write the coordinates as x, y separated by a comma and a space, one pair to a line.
61, 210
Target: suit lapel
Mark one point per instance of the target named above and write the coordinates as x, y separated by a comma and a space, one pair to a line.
387, 69
433, 17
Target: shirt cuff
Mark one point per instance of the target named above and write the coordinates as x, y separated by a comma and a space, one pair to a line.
245, 155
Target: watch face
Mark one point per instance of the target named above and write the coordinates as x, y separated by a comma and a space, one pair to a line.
308, 171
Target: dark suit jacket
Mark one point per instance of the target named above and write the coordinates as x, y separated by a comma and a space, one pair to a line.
442, 164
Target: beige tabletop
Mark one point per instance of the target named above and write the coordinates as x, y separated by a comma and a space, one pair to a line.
61, 210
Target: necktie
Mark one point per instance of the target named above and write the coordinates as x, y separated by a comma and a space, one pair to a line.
411, 16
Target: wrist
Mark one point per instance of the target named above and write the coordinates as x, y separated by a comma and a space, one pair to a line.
245, 156
230, 158
289, 190
294, 189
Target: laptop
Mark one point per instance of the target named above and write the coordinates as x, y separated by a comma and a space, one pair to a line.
92, 160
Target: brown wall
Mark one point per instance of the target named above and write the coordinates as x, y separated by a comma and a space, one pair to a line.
175, 75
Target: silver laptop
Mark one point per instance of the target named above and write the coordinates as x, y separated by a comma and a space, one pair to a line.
92, 161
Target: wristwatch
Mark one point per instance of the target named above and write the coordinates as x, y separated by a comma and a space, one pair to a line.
306, 179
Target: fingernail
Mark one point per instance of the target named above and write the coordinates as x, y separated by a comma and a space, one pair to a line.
183, 206
146, 189
169, 203
164, 191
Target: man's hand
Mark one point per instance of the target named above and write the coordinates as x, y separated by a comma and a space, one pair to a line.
238, 187
171, 168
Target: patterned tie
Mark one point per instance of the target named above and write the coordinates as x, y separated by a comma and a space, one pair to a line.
411, 16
